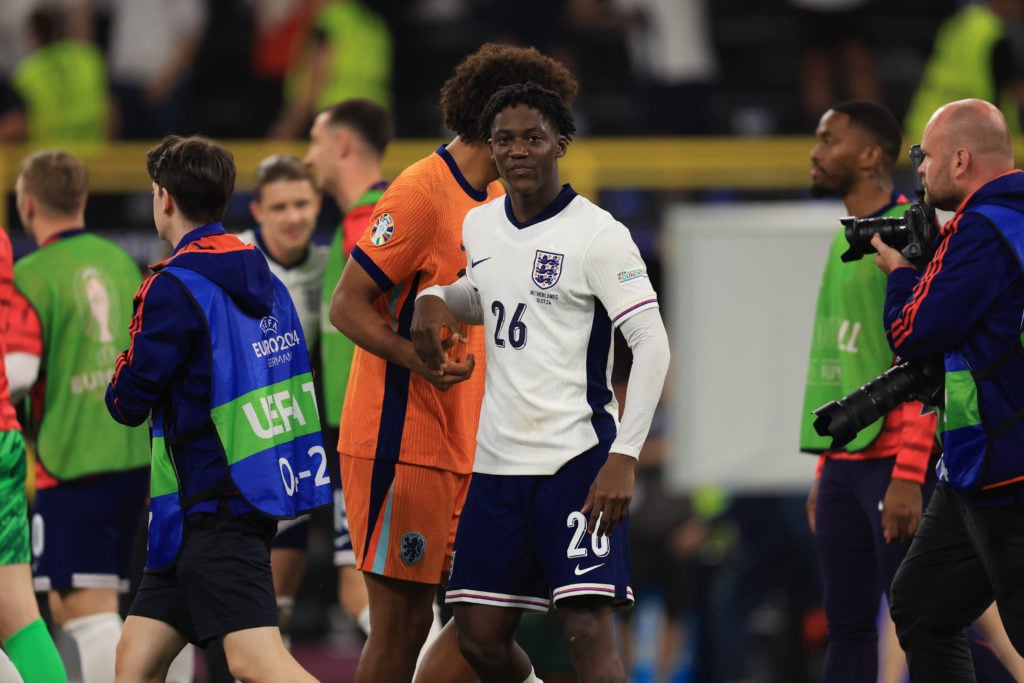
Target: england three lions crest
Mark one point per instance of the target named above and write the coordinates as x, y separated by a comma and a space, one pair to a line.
547, 268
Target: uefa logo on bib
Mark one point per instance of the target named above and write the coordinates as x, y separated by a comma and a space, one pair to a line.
268, 325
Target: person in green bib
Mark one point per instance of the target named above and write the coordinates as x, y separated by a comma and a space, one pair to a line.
91, 472
866, 500
63, 86
349, 55
346, 145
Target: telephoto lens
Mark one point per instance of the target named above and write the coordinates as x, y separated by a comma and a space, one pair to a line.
842, 419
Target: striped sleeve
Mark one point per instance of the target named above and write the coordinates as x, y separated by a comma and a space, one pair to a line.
931, 313
617, 274
25, 332
917, 441
164, 329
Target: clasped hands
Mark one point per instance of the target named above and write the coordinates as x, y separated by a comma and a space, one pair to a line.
437, 338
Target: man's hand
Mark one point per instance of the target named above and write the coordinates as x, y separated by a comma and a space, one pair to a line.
901, 510
609, 497
454, 371
430, 317
888, 259
812, 504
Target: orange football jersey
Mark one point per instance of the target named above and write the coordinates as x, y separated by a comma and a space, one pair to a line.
415, 241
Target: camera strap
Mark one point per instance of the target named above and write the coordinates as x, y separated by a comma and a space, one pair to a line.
986, 372
1012, 419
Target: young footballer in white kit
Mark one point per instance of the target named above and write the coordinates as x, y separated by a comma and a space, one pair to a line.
551, 276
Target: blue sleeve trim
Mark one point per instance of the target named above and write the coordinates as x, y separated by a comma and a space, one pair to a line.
371, 268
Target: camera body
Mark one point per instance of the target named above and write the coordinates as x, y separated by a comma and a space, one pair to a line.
913, 233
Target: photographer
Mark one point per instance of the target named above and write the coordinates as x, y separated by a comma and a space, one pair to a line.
867, 500
968, 304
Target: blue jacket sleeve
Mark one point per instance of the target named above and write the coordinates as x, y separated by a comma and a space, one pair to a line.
970, 270
164, 327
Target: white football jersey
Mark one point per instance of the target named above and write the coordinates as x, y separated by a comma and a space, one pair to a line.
304, 282
552, 290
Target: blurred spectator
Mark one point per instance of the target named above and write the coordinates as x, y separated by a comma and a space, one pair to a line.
62, 84
348, 56
280, 31
674, 62
837, 61
977, 53
516, 23
12, 114
152, 46
15, 40
220, 99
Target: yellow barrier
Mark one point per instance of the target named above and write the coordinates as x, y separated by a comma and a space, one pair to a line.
673, 163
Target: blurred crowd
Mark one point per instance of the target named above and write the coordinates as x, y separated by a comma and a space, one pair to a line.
86, 70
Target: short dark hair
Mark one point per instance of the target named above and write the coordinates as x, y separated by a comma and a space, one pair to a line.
371, 121
493, 66
548, 103
198, 172
57, 179
879, 122
280, 167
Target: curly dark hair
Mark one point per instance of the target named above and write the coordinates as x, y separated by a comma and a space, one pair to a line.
546, 102
493, 66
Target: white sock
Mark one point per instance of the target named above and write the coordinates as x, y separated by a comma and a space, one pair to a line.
532, 678
363, 620
96, 636
183, 668
8, 674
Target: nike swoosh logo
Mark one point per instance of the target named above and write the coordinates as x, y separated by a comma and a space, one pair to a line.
478, 262
581, 572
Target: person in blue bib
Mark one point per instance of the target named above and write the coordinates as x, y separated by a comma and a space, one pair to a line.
967, 305
219, 360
